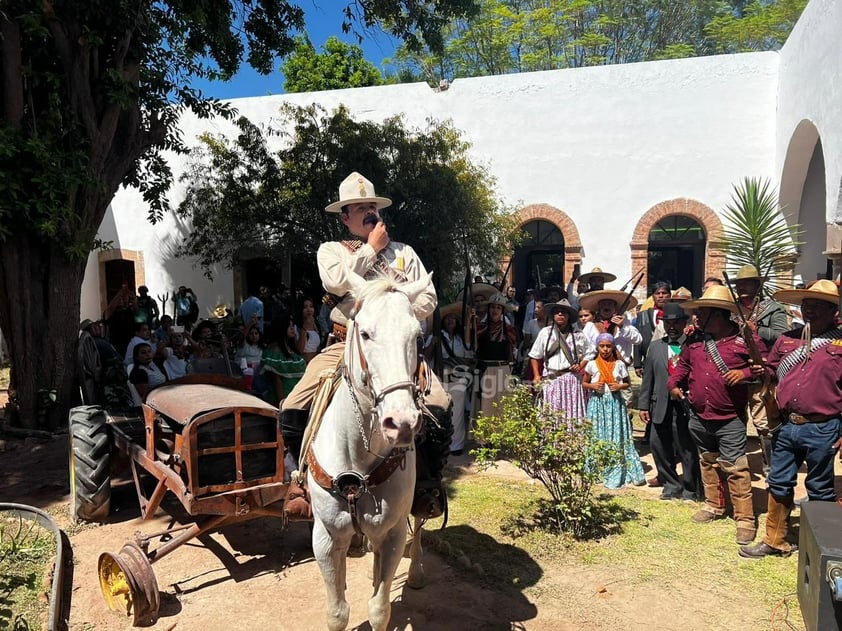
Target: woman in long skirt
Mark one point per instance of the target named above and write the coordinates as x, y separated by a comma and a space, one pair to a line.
606, 377
565, 352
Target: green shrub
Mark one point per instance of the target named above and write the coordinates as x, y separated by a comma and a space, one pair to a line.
563, 454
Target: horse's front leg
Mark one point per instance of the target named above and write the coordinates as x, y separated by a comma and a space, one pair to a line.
330, 556
416, 578
387, 558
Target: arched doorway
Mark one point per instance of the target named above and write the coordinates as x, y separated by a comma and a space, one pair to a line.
550, 251
680, 231
676, 252
803, 196
539, 261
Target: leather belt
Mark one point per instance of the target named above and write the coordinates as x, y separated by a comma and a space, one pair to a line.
802, 419
494, 363
552, 374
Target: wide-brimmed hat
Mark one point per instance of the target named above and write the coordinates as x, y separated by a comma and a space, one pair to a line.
479, 289
562, 304
747, 272
454, 308
597, 271
500, 299
355, 189
673, 311
820, 290
715, 297
590, 300
681, 294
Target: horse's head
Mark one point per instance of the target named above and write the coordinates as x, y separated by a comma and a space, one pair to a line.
382, 354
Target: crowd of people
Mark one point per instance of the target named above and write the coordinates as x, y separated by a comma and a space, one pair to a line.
708, 366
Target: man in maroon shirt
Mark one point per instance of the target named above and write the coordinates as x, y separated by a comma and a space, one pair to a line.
714, 372
807, 363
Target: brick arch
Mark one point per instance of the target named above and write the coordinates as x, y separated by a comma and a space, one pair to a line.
565, 225
714, 263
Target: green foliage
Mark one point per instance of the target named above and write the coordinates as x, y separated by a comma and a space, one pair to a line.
526, 35
757, 233
242, 193
563, 454
339, 65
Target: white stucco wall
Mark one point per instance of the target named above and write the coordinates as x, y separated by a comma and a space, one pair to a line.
602, 144
810, 87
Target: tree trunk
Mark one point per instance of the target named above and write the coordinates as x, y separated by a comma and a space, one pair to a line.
40, 294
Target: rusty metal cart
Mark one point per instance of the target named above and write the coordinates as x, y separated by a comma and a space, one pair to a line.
218, 450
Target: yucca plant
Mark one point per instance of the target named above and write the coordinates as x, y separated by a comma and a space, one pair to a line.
757, 233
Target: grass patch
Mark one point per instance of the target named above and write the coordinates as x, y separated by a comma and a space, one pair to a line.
651, 541
27, 556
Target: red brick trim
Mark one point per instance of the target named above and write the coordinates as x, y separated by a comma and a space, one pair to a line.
565, 225
714, 263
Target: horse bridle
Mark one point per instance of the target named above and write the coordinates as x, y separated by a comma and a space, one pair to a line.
351, 485
421, 374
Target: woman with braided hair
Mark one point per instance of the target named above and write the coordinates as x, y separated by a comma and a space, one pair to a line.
606, 377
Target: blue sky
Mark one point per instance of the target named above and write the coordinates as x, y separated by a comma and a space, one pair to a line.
323, 19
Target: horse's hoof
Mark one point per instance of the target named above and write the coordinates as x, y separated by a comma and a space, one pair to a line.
416, 581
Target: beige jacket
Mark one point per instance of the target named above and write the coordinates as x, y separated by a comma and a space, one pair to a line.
340, 270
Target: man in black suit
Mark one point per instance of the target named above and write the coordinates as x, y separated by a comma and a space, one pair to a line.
670, 439
649, 323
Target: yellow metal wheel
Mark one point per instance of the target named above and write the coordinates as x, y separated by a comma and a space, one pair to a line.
128, 584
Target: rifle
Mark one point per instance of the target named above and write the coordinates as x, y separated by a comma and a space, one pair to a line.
766, 393
621, 309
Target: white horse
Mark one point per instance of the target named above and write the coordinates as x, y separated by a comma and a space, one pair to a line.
361, 466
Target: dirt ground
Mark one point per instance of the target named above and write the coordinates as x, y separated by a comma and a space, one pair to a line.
257, 576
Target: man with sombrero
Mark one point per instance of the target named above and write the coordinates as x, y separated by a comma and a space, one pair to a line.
807, 365
604, 304
710, 376
596, 279
343, 265
768, 319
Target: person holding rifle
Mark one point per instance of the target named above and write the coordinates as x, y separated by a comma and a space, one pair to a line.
807, 364
711, 376
768, 319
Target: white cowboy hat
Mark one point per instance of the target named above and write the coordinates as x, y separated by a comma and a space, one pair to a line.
820, 290
597, 271
355, 189
681, 294
590, 300
715, 297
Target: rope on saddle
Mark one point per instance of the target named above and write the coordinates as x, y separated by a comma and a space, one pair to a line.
329, 381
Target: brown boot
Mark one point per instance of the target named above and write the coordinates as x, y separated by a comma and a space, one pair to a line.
714, 499
739, 486
774, 543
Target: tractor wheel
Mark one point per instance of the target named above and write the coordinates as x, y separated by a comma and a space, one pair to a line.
90, 464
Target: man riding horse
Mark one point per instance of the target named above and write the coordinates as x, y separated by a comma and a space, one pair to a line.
342, 264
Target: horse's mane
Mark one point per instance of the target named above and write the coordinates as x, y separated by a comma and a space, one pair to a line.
372, 289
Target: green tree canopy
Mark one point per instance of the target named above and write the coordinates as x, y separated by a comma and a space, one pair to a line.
241, 192
339, 65
524, 35
92, 92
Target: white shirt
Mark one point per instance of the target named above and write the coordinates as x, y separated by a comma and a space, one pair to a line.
547, 337
174, 366
456, 345
341, 270
624, 340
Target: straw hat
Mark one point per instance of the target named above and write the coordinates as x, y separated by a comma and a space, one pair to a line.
820, 290
597, 271
681, 294
500, 299
454, 308
355, 189
590, 300
715, 297
479, 289
747, 272
562, 304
